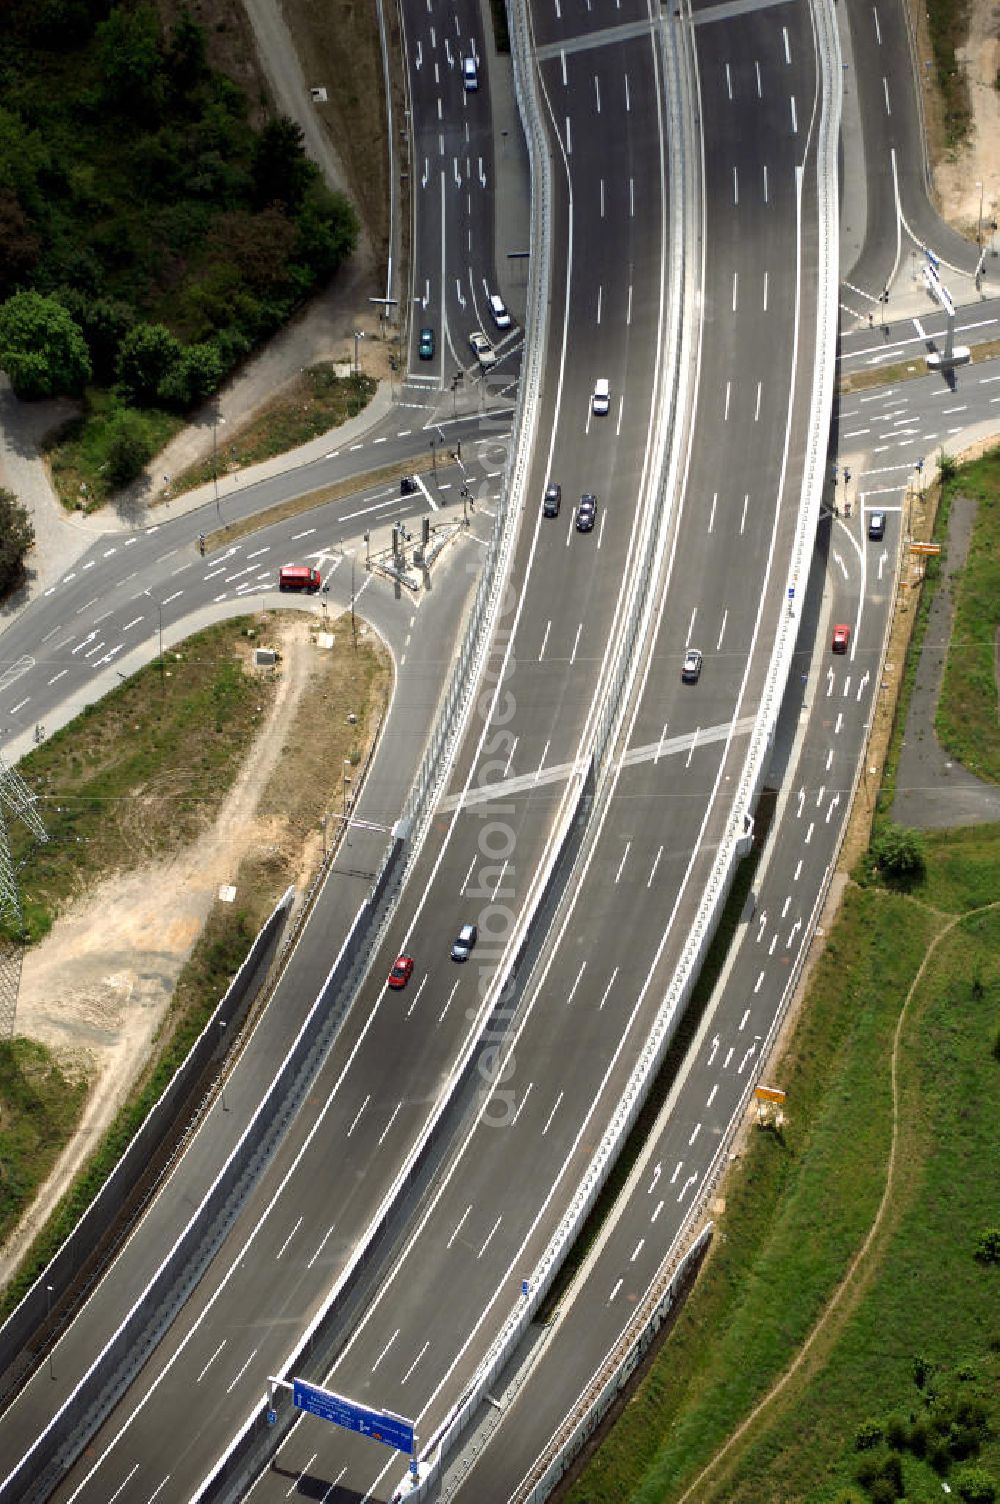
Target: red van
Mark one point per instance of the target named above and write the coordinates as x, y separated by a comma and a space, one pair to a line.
298, 577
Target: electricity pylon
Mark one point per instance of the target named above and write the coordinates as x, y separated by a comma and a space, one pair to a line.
16, 800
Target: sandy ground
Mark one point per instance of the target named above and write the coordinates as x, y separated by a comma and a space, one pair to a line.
971, 177
98, 986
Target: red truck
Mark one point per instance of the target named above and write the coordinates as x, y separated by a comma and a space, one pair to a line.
298, 577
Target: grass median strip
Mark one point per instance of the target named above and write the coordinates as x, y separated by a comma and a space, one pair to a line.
295, 506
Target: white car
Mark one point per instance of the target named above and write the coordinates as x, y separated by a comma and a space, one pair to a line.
601, 400
691, 667
470, 74
498, 308
484, 351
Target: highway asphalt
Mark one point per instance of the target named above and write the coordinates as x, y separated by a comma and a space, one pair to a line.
552, 685
596, 993
593, 1000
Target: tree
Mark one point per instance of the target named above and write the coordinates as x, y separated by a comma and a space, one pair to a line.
327, 231
129, 449
281, 169
186, 54
105, 322
132, 59
42, 348
19, 245
898, 852
146, 357
195, 376
16, 537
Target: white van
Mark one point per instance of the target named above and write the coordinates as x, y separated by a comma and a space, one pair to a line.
601, 400
498, 308
470, 74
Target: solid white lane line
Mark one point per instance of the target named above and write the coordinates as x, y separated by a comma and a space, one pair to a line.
447, 1005
357, 1115
459, 1225
548, 1120
607, 990
385, 1349
240, 1374
288, 1239
211, 1360
579, 978
489, 1236
416, 1360
322, 1245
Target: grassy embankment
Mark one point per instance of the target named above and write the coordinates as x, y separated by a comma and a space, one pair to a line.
133, 779
899, 1389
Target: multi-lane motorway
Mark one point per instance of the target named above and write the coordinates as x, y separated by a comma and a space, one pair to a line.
579, 1021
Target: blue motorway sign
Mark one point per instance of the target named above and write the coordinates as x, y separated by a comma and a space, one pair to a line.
380, 1425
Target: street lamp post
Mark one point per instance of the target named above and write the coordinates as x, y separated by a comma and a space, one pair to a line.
354, 623
434, 461
163, 672
347, 785
358, 337
979, 232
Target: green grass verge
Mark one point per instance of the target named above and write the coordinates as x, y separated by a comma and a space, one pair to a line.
968, 714
318, 401
79, 452
796, 1209
948, 23
141, 773
40, 1105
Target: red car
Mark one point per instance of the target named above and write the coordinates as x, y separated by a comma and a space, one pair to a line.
400, 973
841, 637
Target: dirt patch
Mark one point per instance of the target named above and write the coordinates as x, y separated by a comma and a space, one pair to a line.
958, 174
97, 989
337, 42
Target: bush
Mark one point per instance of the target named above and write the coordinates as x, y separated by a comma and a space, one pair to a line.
868, 1435
947, 466
918, 1438
129, 449
42, 348
988, 1246
974, 1485
897, 1433
899, 853
16, 537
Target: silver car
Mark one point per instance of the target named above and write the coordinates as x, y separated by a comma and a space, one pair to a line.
464, 941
